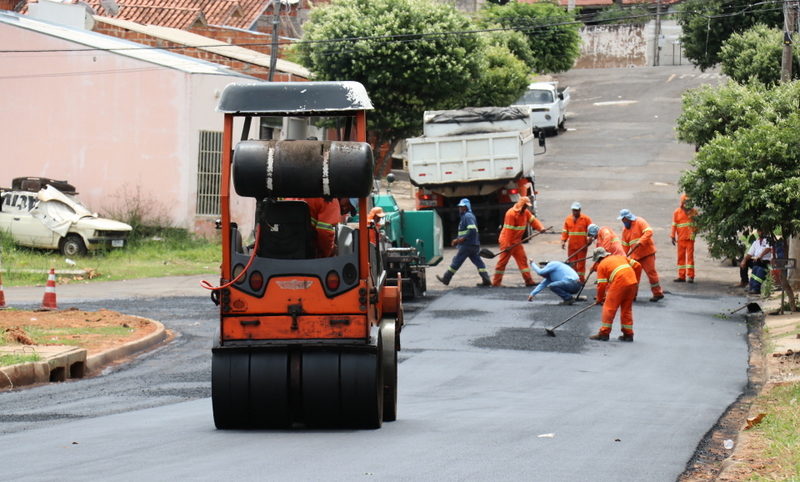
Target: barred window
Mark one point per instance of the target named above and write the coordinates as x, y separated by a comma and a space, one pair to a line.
209, 163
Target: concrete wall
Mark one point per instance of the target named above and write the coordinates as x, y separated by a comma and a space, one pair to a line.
614, 46
108, 123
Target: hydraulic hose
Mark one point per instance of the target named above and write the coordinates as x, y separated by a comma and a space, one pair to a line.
207, 285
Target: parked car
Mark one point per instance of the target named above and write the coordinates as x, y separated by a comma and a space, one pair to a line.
45, 213
548, 104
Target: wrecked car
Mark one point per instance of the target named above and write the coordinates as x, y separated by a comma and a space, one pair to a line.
43, 213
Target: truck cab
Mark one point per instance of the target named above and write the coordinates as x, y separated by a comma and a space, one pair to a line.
548, 104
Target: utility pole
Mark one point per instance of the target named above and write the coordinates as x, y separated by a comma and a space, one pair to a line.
276, 25
657, 36
789, 28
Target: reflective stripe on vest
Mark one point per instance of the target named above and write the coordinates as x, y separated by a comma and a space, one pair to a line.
515, 228
614, 273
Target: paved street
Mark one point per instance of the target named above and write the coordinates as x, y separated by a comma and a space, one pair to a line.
483, 393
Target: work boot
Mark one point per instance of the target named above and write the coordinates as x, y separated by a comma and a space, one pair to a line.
486, 282
624, 337
655, 298
443, 280
531, 283
568, 301
690, 280
599, 337
679, 280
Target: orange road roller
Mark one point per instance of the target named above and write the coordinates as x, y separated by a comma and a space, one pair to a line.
307, 337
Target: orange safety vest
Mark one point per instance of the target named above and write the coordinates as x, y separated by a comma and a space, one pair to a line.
514, 225
608, 239
575, 231
639, 233
683, 224
614, 272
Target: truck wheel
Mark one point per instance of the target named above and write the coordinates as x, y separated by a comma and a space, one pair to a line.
73, 245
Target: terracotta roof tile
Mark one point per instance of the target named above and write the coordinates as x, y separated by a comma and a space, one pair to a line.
183, 14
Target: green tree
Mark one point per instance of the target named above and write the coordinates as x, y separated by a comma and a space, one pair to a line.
617, 14
711, 110
756, 54
399, 50
503, 79
747, 180
706, 24
552, 32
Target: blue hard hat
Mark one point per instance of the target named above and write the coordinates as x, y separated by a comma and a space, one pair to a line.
592, 230
626, 214
464, 202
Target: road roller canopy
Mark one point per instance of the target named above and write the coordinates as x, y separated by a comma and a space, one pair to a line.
295, 98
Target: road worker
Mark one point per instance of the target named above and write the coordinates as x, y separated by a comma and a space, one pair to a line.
605, 238
575, 240
637, 238
516, 221
683, 234
325, 215
375, 221
616, 290
560, 278
469, 246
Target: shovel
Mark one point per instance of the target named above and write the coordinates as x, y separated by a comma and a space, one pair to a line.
551, 331
485, 253
576, 252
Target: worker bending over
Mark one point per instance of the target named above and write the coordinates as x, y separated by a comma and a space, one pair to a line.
605, 238
516, 221
616, 290
683, 231
560, 278
637, 238
575, 239
469, 246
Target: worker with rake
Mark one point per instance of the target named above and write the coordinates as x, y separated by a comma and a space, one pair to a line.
574, 239
516, 221
616, 290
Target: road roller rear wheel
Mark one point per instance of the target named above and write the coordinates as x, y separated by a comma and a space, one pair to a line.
321, 389
362, 389
269, 390
389, 369
229, 389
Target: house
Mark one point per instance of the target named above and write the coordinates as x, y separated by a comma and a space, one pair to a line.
121, 121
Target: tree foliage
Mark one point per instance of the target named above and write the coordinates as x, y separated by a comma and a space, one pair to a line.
552, 32
747, 180
408, 64
617, 14
706, 24
504, 75
756, 54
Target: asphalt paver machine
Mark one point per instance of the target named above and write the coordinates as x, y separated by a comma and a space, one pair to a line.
302, 340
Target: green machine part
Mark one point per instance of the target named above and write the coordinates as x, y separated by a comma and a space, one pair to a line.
418, 229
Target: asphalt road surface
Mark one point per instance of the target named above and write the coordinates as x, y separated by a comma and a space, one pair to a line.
483, 393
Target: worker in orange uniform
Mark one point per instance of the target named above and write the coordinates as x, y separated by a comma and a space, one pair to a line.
616, 290
325, 215
516, 220
574, 239
375, 223
637, 238
605, 238
683, 231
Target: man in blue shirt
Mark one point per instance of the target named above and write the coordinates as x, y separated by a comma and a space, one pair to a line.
469, 246
560, 278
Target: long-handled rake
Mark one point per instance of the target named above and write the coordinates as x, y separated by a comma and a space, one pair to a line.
552, 332
486, 253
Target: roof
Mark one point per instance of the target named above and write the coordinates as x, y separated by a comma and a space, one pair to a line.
604, 3
118, 46
300, 98
200, 42
183, 14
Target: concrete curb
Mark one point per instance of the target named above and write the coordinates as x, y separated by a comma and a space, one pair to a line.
73, 363
100, 360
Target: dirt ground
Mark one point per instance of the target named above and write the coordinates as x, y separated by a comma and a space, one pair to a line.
13, 325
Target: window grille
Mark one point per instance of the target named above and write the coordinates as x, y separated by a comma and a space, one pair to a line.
208, 173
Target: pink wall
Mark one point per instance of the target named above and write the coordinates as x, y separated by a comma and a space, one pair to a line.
105, 122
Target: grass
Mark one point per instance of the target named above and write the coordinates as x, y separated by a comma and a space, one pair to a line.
67, 336
780, 431
157, 253
13, 359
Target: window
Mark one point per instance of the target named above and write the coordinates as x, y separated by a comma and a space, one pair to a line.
209, 164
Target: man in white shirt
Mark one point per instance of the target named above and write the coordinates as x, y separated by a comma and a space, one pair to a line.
757, 258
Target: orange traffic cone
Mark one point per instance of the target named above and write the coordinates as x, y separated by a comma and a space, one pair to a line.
49, 300
2, 295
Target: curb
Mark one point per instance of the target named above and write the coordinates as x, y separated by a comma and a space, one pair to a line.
75, 364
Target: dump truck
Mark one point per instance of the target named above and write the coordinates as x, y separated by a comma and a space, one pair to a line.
302, 340
483, 153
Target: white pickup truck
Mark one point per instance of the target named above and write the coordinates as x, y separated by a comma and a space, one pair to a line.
548, 105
